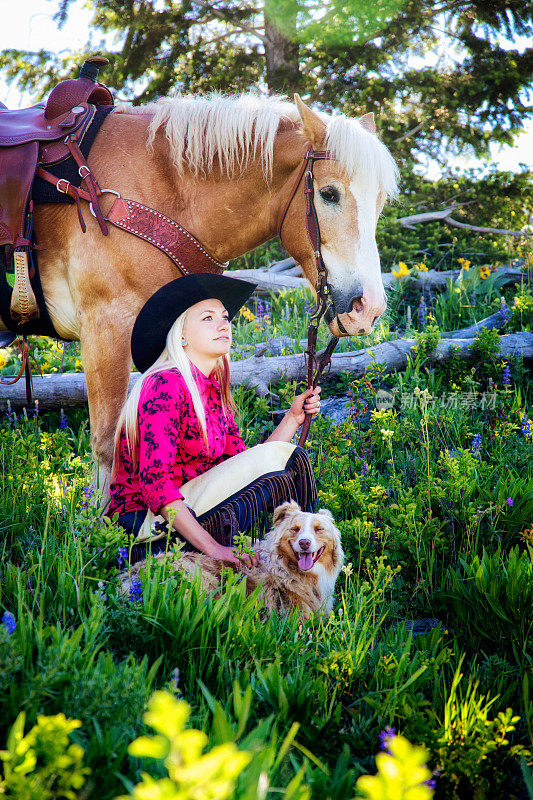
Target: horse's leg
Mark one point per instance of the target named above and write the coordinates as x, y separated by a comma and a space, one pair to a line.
105, 351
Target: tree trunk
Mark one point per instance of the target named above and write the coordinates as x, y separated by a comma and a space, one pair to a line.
281, 47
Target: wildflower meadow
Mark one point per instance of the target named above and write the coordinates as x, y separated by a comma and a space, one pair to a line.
419, 684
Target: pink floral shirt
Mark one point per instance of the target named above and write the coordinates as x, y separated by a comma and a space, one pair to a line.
171, 448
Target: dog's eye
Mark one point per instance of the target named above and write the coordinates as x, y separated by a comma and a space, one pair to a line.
295, 530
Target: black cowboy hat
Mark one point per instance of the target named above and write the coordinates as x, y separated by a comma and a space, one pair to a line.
159, 313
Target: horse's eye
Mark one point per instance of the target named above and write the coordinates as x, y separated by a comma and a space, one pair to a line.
330, 195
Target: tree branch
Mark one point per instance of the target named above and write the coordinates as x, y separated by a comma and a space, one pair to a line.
444, 216
410, 133
224, 17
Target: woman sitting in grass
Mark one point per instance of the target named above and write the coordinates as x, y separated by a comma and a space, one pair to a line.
179, 455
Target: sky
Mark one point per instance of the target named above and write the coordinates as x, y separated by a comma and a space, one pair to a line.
28, 25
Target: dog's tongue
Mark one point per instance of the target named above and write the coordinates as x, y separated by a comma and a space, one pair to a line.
305, 561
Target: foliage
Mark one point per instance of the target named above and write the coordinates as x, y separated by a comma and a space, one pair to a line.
469, 736
44, 764
492, 597
402, 773
190, 773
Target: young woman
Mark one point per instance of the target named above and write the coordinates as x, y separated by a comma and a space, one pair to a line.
179, 455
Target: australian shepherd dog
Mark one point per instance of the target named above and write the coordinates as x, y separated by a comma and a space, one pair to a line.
299, 562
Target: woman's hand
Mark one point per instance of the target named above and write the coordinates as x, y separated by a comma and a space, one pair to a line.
307, 402
233, 559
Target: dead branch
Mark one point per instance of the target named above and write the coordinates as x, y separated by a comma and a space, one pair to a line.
273, 280
445, 216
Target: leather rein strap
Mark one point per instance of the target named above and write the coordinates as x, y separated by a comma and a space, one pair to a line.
24, 369
315, 368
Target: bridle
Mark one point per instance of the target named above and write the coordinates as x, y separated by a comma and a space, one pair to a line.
314, 367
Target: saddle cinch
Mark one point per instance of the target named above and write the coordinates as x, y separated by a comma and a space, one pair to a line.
31, 139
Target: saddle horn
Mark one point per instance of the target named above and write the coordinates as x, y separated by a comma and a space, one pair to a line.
92, 66
85, 89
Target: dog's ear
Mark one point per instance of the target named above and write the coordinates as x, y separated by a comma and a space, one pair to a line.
285, 510
325, 513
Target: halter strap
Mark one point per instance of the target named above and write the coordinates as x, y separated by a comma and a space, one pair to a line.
310, 156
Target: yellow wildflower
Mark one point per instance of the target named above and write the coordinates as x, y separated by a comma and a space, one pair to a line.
247, 314
78, 364
422, 267
402, 270
484, 272
2, 361
464, 263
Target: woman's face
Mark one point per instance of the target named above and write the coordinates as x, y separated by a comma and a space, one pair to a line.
207, 330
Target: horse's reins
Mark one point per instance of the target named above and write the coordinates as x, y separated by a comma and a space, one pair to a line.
321, 285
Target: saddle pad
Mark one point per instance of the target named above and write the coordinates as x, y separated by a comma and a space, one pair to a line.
44, 192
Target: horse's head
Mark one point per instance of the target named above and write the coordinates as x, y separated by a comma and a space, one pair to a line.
350, 190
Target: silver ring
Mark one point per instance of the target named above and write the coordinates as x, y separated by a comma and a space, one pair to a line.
104, 191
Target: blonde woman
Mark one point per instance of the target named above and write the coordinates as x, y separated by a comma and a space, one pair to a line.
181, 465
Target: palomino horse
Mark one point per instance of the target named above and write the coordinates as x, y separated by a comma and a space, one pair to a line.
224, 168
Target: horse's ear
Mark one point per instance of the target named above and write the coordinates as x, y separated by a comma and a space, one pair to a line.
368, 122
314, 128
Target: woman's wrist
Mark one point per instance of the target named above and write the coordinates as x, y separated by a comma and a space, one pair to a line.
285, 430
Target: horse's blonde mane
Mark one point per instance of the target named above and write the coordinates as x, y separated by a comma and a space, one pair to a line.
232, 129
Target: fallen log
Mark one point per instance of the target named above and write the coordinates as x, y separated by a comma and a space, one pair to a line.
260, 372
269, 281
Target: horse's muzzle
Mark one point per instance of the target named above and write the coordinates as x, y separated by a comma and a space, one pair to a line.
359, 318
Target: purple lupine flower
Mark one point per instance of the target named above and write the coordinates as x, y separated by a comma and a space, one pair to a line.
175, 678
9, 622
504, 313
307, 307
385, 736
100, 591
509, 501
88, 491
525, 428
506, 375
431, 783
422, 313
364, 467
136, 590
63, 420
122, 556
473, 302
476, 445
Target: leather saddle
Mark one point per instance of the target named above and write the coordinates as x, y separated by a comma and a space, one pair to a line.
29, 138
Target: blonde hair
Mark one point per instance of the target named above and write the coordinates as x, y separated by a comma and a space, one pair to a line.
172, 357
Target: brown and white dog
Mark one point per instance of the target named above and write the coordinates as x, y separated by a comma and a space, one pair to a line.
299, 562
